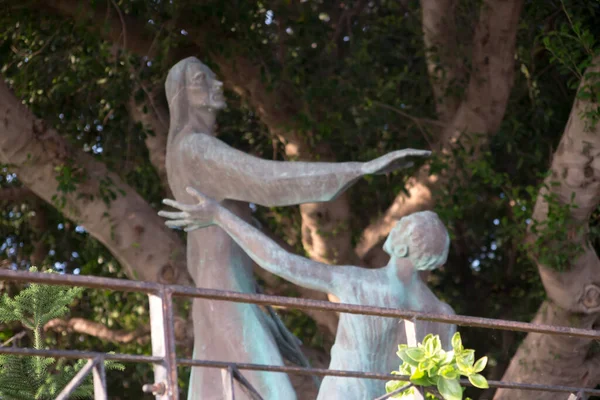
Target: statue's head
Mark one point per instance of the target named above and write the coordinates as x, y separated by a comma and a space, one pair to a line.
420, 237
190, 83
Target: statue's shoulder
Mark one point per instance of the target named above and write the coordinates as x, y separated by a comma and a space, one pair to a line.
196, 143
444, 308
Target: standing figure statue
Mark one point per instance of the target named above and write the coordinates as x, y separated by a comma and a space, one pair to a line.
231, 331
418, 242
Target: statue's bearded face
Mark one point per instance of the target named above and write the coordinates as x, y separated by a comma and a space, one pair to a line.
203, 88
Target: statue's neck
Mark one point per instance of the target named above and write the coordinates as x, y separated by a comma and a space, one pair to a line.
197, 120
403, 269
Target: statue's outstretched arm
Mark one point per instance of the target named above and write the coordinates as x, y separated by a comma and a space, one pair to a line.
264, 251
223, 172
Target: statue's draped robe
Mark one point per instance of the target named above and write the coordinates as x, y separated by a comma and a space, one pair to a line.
235, 331
223, 330
369, 343
363, 343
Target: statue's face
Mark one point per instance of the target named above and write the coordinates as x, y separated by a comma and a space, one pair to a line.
203, 88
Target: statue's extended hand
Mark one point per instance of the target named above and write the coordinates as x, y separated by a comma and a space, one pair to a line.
191, 217
393, 161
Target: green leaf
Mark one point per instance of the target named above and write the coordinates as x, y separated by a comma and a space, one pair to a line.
478, 381
429, 345
427, 339
416, 354
437, 344
391, 386
405, 369
465, 361
450, 389
457, 342
420, 378
426, 365
404, 357
448, 372
480, 364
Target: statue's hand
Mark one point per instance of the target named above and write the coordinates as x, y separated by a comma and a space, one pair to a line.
393, 161
191, 217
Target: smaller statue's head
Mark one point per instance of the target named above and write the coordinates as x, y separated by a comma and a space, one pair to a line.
192, 82
422, 238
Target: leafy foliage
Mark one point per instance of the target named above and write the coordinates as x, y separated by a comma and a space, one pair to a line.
429, 365
26, 378
364, 90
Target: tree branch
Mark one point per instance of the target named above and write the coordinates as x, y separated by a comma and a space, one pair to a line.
154, 117
322, 236
573, 293
96, 329
443, 63
480, 112
15, 194
127, 226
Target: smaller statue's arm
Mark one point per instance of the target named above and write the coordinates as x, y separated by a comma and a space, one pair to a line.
260, 248
270, 256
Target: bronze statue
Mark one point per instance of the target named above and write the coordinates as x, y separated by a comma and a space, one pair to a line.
229, 331
418, 242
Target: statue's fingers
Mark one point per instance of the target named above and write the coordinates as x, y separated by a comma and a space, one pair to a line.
174, 215
176, 204
412, 153
178, 223
201, 198
192, 228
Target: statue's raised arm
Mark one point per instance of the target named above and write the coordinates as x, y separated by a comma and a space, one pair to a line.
193, 93
264, 251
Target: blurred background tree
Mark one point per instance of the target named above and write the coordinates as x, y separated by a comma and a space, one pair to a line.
488, 85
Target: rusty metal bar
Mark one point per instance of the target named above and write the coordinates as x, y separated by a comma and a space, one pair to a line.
169, 337
99, 374
77, 380
166, 291
187, 291
247, 387
372, 375
73, 354
382, 312
395, 392
93, 282
77, 355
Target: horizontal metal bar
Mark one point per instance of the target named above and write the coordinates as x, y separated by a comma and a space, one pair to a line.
285, 369
93, 282
370, 375
382, 312
188, 291
76, 354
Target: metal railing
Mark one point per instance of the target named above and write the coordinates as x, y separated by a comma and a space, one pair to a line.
163, 338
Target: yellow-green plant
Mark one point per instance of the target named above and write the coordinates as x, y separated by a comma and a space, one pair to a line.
429, 365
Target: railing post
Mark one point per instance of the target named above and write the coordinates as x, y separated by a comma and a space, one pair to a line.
229, 387
99, 375
163, 345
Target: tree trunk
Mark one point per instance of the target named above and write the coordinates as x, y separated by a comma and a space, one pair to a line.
325, 226
479, 113
574, 293
127, 226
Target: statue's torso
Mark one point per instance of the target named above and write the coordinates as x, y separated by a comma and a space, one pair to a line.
224, 331
369, 343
